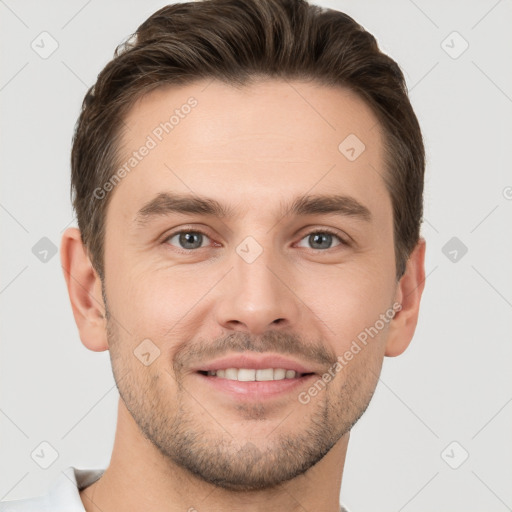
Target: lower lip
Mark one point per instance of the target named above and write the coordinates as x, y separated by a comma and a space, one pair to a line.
255, 389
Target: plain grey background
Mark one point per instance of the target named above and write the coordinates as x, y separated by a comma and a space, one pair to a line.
447, 397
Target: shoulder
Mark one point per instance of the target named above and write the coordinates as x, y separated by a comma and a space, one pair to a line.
62, 496
37, 504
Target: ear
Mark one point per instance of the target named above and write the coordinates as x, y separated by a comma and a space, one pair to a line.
408, 294
84, 288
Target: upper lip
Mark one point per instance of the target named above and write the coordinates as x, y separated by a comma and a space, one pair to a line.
257, 362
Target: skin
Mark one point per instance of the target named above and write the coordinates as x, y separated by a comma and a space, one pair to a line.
181, 445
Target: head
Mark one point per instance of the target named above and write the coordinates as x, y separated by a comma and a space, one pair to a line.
247, 178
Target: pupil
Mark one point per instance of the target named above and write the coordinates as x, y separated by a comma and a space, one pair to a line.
188, 238
317, 239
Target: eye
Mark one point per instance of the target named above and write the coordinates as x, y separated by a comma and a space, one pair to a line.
323, 239
187, 239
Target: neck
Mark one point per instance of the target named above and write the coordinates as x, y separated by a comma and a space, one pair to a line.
139, 477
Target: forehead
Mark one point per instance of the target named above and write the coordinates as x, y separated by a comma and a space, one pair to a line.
248, 143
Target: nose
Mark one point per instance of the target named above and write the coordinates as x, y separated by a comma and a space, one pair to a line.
258, 296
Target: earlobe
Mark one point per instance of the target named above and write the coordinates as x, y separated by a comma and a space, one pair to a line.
84, 289
408, 294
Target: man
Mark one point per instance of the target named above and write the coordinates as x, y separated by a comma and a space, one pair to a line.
248, 182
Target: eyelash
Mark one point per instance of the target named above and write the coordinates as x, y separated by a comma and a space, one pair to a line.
321, 231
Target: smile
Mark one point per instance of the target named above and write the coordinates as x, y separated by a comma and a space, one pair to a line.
251, 374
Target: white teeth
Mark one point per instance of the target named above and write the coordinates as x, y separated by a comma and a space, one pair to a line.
267, 374
279, 374
246, 374
231, 374
251, 375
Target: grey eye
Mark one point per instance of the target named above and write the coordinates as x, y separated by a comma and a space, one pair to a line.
188, 239
321, 240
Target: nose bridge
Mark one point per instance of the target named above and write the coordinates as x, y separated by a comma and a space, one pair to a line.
254, 296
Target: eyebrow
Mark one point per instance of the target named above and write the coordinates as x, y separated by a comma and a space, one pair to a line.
167, 203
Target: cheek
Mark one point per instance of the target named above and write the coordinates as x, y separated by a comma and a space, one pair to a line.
350, 304
157, 303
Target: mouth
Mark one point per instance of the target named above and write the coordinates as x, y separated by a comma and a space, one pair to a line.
251, 377
254, 375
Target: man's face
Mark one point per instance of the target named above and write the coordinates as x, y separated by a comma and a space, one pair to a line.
264, 281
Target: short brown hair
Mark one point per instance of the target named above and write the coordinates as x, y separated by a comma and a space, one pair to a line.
235, 41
